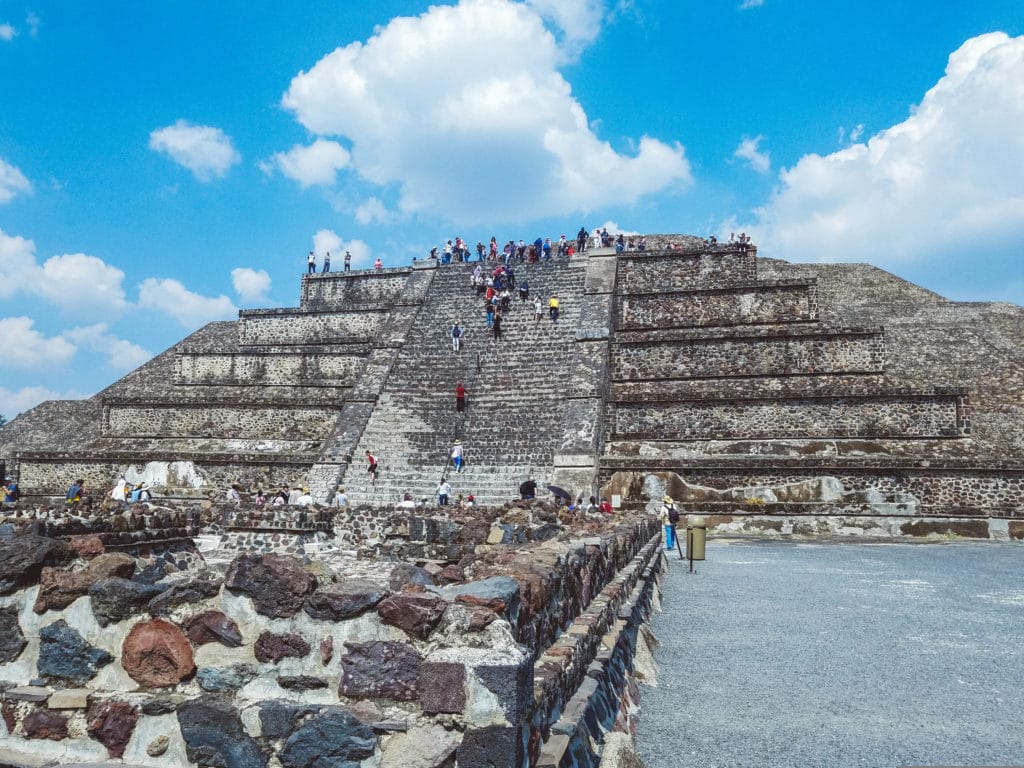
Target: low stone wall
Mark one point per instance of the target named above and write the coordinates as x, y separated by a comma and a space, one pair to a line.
259, 327
655, 272
249, 421
269, 369
804, 353
368, 288
285, 661
874, 417
776, 302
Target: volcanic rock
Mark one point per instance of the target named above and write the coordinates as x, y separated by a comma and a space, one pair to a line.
45, 724
214, 735
12, 641
157, 653
273, 647
65, 654
301, 682
337, 602
58, 587
213, 627
278, 719
188, 592
111, 723
380, 668
416, 614
116, 599
277, 584
331, 739
229, 678
442, 687
406, 573
22, 559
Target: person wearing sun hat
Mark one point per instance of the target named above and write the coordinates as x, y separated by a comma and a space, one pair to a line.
669, 518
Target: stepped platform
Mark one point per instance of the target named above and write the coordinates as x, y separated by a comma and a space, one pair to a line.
710, 373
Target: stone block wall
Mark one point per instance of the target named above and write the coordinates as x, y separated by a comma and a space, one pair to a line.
163, 420
894, 416
279, 368
779, 302
346, 290
763, 355
659, 272
297, 326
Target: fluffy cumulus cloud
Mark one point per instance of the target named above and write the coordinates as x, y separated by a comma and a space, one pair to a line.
122, 355
437, 126
945, 180
329, 241
12, 182
190, 309
315, 165
25, 347
250, 284
372, 210
749, 151
578, 20
205, 151
15, 401
78, 285
7, 32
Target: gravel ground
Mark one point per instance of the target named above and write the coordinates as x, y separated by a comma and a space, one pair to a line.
828, 654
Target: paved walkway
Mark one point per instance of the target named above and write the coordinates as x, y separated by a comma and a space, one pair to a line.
785, 654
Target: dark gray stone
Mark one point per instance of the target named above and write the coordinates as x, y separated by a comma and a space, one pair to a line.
159, 706
273, 647
213, 626
380, 668
512, 684
214, 735
495, 746
277, 584
187, 592
338, 602
495, 592
405, 573
115, 599
151, 574
278, 719
23, 557
442, 687
64, 654
225, 679
331, 739
12, 641
301, 682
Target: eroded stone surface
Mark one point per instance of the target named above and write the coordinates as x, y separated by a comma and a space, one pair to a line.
273, 647
337, 602
22, 558
12, 641
331, 739
115, 599
213, 627
301, 682
112, 723
415, 613
277, 584
214, 735
63, 653
59, 587
225, 679
191, 591
45, 724
380, 668
426, 747
278, 719
156, 653
442, 687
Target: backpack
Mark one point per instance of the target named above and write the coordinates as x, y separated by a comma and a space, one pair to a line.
673, 515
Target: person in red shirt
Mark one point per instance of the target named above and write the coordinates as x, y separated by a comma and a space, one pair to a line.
372, 468
460, 397
606, 506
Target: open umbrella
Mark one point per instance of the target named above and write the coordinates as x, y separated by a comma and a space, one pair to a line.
560, 493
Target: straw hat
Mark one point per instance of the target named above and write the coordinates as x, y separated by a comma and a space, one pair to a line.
668, 500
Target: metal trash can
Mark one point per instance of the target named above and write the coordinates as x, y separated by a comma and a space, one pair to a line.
696, 535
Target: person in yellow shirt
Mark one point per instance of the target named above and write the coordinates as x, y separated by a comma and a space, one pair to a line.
553, 308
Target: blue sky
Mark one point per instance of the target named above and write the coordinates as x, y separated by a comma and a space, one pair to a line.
163, 164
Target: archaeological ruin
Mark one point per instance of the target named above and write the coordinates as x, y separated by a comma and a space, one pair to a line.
197, 629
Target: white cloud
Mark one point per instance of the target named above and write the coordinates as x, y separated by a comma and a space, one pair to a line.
206, 151
82, 286
76, 284
25, 347
579, 20
251, 285
857, 132
12, 181
190, 309
426, 112
756, 159
15, 401
7, 32
328, 240
939, 183
372, 210
751, 4
33, 21
317, 164
122, 355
